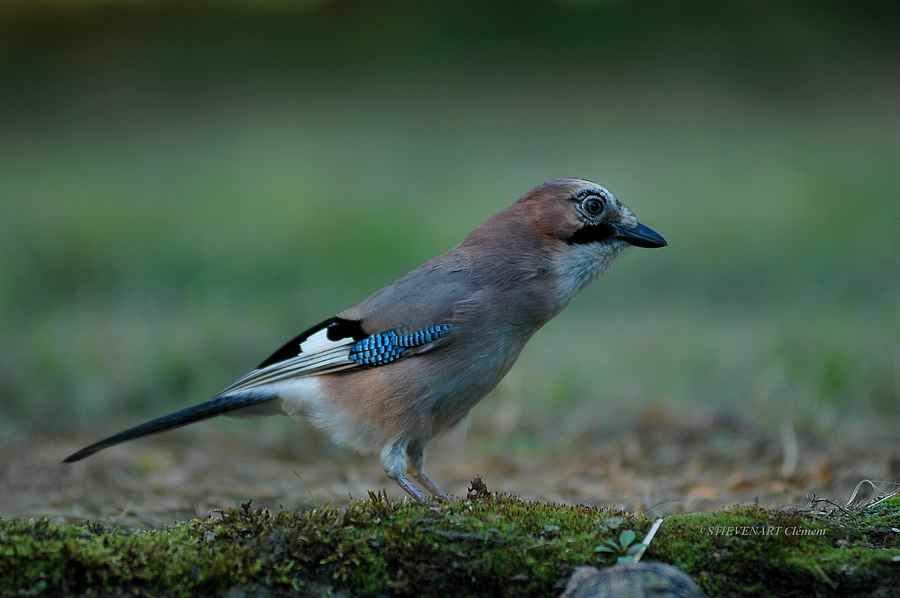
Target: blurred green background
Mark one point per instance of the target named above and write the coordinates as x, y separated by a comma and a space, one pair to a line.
183, 189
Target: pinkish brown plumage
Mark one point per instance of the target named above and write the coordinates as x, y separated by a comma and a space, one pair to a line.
410, 361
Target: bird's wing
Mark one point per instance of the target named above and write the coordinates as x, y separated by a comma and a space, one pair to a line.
411, 316
427, 295
324, 348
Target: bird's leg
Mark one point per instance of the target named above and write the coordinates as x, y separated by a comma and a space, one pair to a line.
394, 461
415, 450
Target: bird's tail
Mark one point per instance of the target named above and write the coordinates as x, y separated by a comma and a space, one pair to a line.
217, 406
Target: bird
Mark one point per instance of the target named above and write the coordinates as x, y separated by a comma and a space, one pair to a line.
410, 361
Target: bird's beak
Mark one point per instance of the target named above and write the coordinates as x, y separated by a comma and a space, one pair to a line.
640, 236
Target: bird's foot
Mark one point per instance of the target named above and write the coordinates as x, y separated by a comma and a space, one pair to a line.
414, 491
431, 486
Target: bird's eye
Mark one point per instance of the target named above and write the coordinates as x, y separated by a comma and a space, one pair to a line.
593, 206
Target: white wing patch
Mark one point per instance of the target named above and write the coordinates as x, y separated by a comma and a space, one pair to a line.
319, 342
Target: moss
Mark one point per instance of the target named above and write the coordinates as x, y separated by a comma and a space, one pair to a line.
751, 551
485, 545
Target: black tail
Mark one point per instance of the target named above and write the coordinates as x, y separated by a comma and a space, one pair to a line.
206, 410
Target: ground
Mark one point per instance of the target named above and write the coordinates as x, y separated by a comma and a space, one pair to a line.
663, 463
482, 545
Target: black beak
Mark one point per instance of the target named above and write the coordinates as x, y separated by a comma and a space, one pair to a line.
640, 236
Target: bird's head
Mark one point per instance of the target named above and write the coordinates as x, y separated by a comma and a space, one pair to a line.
565, 232
580, 212
584, 227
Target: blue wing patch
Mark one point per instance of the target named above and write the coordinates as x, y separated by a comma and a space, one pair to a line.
387, 347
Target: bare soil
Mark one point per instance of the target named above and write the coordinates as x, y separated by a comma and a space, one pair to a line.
657, 466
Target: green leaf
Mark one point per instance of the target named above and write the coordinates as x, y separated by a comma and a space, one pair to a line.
614, 522
603, 548
626, 538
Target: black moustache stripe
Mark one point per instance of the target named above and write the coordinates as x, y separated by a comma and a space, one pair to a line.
591, 233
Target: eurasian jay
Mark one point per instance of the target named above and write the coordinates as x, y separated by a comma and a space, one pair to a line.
411, 360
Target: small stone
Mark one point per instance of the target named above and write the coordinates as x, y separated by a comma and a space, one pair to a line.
631, 581
478, 489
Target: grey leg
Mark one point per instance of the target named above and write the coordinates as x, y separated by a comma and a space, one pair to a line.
416, 452
394, 461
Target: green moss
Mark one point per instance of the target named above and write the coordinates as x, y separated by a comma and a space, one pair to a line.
751, 551
490, 545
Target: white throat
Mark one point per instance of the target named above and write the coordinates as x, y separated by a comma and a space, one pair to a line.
579, 265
